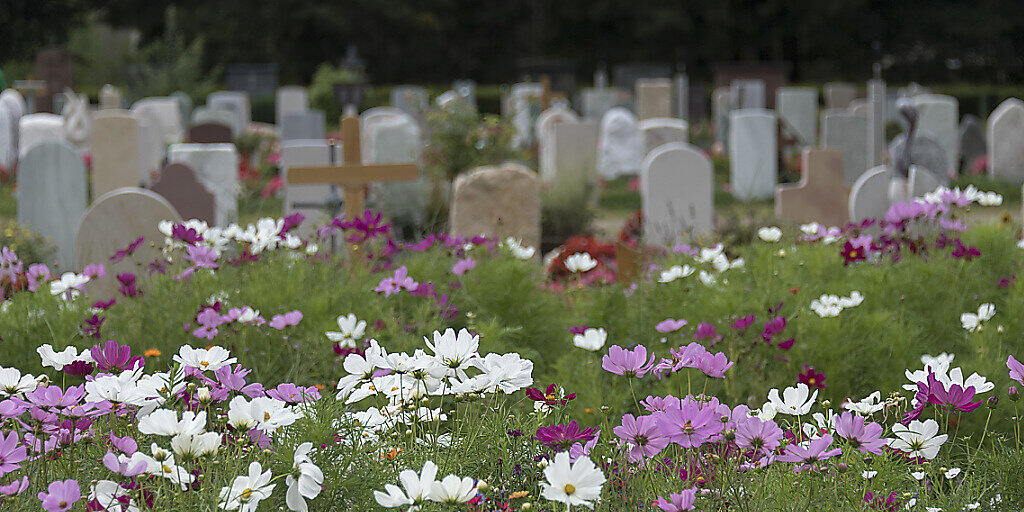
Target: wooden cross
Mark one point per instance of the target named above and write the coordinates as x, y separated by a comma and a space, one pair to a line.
627, 259
352, 175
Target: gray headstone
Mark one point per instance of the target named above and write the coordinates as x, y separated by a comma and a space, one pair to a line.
368, 119
216, 167
51, 195
748, 94
545, 131
299, 198
872, 194
184, 106
798, 111
753, 154
305, 124
164, 113
653, 98
876, 120
972, 141
681, 96
839, 94
115, 151
721, 103
847, 133
1006, 141
926, 153
236, 102
413, 100
151, 148
938, 116
662, 130
500, 201
38, 128
291, 98
597, 102
620, 145
677, 193
8, 140
575, 154
397, 140
110, 98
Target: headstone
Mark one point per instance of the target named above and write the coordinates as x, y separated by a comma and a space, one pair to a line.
38, 128
110, 97
77, 119
677, 193
151, 148
525, 100
822, 194
753, 154
179, 186
51, 195
115, 220
256, 80
17, 108
620, 145
413, 100
115, 152
972, 142
209, 133
300, 198
597, 102
721, 104
798, 112
839, 94
53, 67
499, 201
236, 102
876, 120
290, 98
164, 114
8, 141
575, 154
220, 116
395, 140
748, 94
681, 96
847, 133
371, 117
653, 98
925, 153
305, 124
1006, 141
938, 116
216, 167
184, 106
545, 131
662, 130
773, 74
871, 195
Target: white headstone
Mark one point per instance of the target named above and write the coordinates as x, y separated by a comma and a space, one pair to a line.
38, 128
876, 120
302, 124
367, 121
575, 154
847, 132
395, 140
937, 116
8, 141
677, 193
291, 98
524, 103
748, 94
662, 130
798, 112
235, 101
545, 130
839, 94
597, 102
110, 97
115, 152
621, 144
874, 191
1005, 137
164, 114
753, 154
51, 195
721, 103
216, 167
16, 108
307, 198
219, 116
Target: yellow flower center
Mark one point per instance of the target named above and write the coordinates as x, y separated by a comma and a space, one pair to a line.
266, 416
246, 495
570, 489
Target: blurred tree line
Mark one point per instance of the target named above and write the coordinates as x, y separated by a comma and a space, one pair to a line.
437, 40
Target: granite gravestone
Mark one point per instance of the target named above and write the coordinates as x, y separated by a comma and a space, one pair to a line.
653, 98
216, 167
236, 102
1005, 129
51, 195
798, 112
291, 98
822, 194
938, 117
847, 133
662, 130
179, 186
753, 154
545, 131
839, 94
500, 201
305, 124
677, 194
620, 148
115, 152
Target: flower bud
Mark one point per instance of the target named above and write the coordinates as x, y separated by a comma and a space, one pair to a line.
1014, 395
842, 467
482, 486
993, 401
527, 505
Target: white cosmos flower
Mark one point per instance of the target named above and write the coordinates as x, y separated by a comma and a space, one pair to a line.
811, 228
767, 412
58, 360
709, 253
868, 406
518, 250
349, 330
12, 382
211, 359
920, 439
192, 446
109, 495
942, 360
990, 199
580, 262
971, 322
868, 475
454, 351
359, 371
770, 234
591, 339
826, 306
578, 483
305, 481
246, 492
919, 475
853, 300
504, 372
795, 401
68, 285
952, 473
675, 272
453, 489
164, 422
264, 413
707, 278
415, 487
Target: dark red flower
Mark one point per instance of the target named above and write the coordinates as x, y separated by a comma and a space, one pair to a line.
549, 395
812, 377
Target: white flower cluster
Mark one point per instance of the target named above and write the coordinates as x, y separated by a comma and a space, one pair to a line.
517, 249
971, 193
713, 256
262, 236
972, 322
770, 234
417, 488
350, 330
828, 306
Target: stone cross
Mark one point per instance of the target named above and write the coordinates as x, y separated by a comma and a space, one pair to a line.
822, 194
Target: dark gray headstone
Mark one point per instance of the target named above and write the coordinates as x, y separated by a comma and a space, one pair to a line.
924, 152
308, 124
972, 141
178, 185
210, 133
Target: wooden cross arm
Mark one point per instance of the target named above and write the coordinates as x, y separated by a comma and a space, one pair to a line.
353, 174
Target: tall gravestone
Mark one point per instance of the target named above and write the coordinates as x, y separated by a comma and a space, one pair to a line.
236, 102
395, 140
165, 115
152, 148
876, 120
1006, 141
681, 96
525, 103
653, 98
677, 194
290, 98
368, 119
501, 201
748, 93
545, 131
304, 124
51, 195
621, 144
822, 194
839, 94
721, 103
110, 98
798, 112
847, 133
662, 130
575, 150
753, 154
8, 140
39, 128
216, 167
972, 142
925, 153
938, 116
115, 220
14, 103
115, 152
413, 100
179, 186
308, 199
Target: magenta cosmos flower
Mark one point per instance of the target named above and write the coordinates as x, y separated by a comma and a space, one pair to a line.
758, 435
692, 424
627, 363
113, 357
812, 377
60, 495
561, 437
866, 437
11, 453
678, 502
642, 436
464, 265
1016, 369
813, 452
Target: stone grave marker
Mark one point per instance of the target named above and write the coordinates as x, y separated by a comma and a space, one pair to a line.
290, 98
216, 167
164, 114
937, 116
575, 154
620, 147
115, 152
524, 107
115, 220
184, 106
822, 194
839, 94
51, 195
110, 98
653, 98
501, 201
753, 154
876, 120
1005, 130
677, 194
925, 152
221, 116
38, 128
301, 197
369, 118
209, 133
798, 111
236, 102
748, 93
662, 130
847, 133
413, 100
972, 142
681, 96
596, 102
721, 102
305, 124
15, 105
872, 194
179, 186
8, 140
545, 131
152, 148
397, 140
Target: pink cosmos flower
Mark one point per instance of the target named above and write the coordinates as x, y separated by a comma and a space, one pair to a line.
752, 433
866, 437
397, 283
209, 319
578, 450
126, 444
714, 365
288, 392
743, 322
657, 403
814, 452
627, 363
1016, 369
642, 436
114, 357
285, 320
561, 437
11, 453
706, 330
124, 466
14, 488
37, 275
669, 325
464, 265
60, 496
202, 257
678, 502
95, 271
692, 424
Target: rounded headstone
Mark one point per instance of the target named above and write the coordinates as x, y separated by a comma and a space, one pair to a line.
621, 143
498, 201
677, 193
